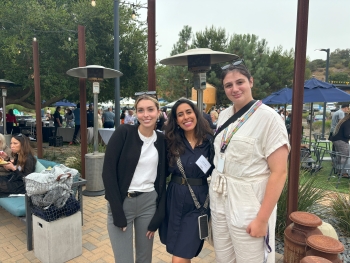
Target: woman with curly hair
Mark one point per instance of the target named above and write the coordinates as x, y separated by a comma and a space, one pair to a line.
23, 163
189, 139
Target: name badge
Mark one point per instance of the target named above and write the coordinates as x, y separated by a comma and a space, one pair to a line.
221, 163
203, 163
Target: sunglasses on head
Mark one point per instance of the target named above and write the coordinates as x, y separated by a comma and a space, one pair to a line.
235, 64
152, 93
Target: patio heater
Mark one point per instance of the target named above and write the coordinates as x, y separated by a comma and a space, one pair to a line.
198, 62
94, 161
4, 84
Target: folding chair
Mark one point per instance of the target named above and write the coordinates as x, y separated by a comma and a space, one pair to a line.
341, 165
319, 155
306, 162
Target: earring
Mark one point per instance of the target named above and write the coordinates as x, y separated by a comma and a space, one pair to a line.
178, 127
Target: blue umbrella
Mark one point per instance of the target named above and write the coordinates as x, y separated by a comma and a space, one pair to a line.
319, 91
283, 96
65, 104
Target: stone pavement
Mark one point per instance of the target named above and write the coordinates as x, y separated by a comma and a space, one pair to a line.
96, 245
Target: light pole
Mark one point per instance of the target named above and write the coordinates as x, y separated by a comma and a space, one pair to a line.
325, 104
94, 162
186, 83
151, 49
4, 85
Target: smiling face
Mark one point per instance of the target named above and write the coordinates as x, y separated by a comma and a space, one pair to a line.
238, 88
15, 145
147, 113
186, 117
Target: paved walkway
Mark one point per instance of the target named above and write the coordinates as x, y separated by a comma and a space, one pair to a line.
96, 245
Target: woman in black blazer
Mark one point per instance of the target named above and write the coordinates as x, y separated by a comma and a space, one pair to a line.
134, 173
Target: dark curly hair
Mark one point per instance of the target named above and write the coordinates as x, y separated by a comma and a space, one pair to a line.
174, 133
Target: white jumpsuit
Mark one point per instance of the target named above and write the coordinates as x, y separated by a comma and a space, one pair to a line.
237, 193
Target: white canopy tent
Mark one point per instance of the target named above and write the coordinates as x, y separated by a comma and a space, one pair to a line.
169, 105
127, 102
106, 104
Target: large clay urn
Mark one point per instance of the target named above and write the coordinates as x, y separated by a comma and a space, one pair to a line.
325, 247
304, 225
314, 259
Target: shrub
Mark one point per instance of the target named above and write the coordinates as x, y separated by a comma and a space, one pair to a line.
311, 192
340, 209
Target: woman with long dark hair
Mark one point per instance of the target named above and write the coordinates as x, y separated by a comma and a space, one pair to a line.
189, 138
23, 163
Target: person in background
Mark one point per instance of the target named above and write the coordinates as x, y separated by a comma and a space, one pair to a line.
189, 138
90, 116
341, 137
10, 121
76, 113
48, 110
214, 116
250, 171
288, 123
130, 118
122, 116
281, 113
108, 118
7, 150
57, 119
134, 172
337, 116
69, 117
99, 118
23, 163
208, 118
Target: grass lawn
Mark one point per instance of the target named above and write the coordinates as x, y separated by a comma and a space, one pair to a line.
323, 174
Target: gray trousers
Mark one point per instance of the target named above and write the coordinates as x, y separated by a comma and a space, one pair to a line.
138, 212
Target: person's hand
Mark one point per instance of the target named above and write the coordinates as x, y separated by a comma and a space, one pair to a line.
150, 234
10, 167
123, 229
257, 228
3, 154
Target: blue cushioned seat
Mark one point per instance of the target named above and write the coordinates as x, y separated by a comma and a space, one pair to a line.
14, 205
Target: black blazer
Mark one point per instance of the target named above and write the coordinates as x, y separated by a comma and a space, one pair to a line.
121, 158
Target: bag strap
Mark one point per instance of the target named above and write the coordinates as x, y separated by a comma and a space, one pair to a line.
234, 117
195, 200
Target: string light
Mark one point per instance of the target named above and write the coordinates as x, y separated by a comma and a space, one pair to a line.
93, 3
133, 16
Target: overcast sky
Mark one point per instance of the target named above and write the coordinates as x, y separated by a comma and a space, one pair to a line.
274, 20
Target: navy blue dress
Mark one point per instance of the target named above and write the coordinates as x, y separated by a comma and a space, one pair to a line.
179, 231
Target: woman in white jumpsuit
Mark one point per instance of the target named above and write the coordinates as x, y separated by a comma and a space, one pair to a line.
249, 175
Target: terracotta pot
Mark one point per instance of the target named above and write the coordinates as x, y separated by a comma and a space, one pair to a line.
305, 225
325, 247
313, 259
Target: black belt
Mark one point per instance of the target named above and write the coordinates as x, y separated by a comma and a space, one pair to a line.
133, 194
191, 181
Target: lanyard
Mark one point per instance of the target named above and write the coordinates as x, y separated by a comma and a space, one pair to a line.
241, 121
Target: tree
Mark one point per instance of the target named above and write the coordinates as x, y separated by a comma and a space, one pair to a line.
281, 65
171, 80
255, 55
53, 23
